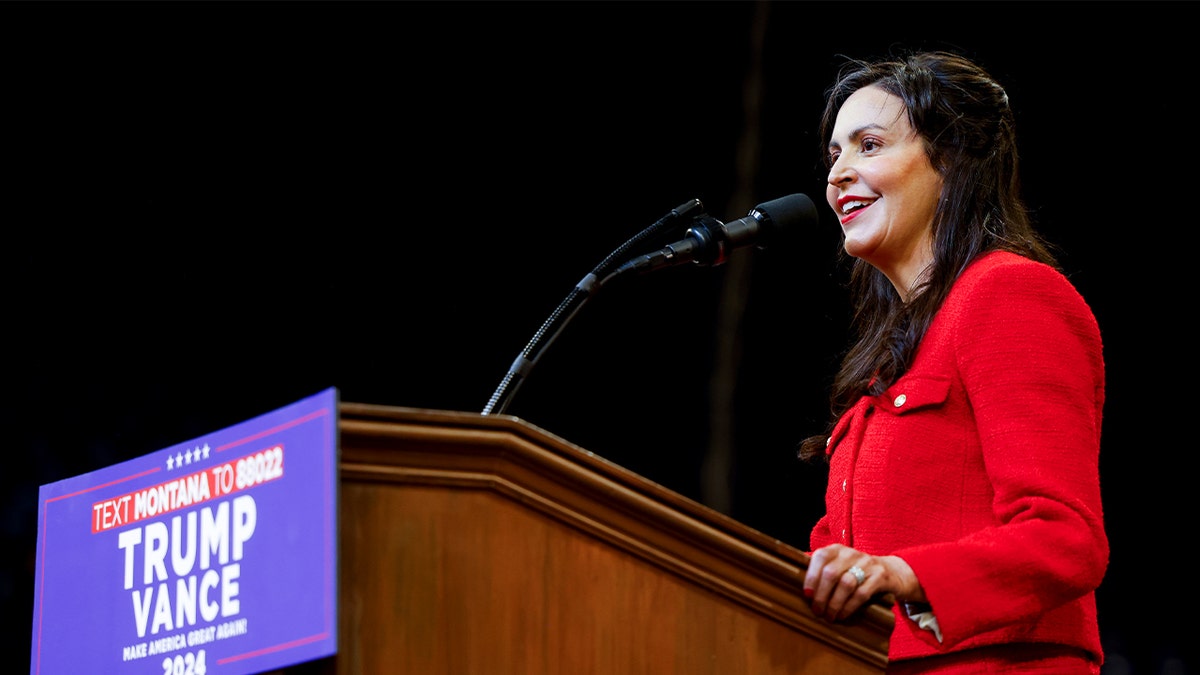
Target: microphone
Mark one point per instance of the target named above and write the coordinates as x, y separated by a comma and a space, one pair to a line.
708, 241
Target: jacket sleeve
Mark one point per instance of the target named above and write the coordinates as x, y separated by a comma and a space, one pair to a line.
1029, 352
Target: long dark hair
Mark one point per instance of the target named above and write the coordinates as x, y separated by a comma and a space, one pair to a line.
964, 120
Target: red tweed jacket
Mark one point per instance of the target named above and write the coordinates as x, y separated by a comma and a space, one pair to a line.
979, 466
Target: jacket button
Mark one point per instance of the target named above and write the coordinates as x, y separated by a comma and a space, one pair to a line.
843, 485
900, 400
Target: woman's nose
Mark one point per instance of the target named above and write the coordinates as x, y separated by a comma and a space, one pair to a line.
841, 172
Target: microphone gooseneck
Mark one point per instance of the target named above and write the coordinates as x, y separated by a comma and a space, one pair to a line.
707, 242
579, 295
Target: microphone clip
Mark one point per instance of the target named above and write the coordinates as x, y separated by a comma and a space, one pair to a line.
706, 243
712, 241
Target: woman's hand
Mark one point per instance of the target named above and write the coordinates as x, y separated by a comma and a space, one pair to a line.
840, 579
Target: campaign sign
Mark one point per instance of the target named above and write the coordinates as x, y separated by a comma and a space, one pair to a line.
214, 557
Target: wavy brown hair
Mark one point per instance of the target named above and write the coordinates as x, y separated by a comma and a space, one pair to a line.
964, 120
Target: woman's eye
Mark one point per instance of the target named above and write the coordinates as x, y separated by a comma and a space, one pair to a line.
869, 145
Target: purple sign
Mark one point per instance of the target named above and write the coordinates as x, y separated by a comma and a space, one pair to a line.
214, 557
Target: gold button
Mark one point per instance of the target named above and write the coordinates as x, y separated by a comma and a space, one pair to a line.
900, 400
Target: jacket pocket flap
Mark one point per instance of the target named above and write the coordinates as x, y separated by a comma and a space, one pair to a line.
914, 393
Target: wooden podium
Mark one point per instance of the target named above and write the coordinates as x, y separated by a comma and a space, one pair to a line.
481, 544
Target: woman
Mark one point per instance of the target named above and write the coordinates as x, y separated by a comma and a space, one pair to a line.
963, 454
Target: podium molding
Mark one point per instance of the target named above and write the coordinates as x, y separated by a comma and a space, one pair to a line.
473, 543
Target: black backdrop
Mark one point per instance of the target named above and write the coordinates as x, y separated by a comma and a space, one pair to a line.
215, 209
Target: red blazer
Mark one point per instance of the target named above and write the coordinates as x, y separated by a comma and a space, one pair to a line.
979, 467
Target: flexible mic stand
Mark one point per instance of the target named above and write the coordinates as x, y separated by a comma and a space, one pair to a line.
566, 310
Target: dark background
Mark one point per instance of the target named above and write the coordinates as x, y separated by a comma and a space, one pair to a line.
215, 209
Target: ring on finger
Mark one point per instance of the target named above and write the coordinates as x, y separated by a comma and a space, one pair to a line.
859, 575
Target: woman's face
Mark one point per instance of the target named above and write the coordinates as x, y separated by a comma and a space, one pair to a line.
882, 187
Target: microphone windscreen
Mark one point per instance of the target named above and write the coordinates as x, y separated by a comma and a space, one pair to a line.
785, 218
790, 212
